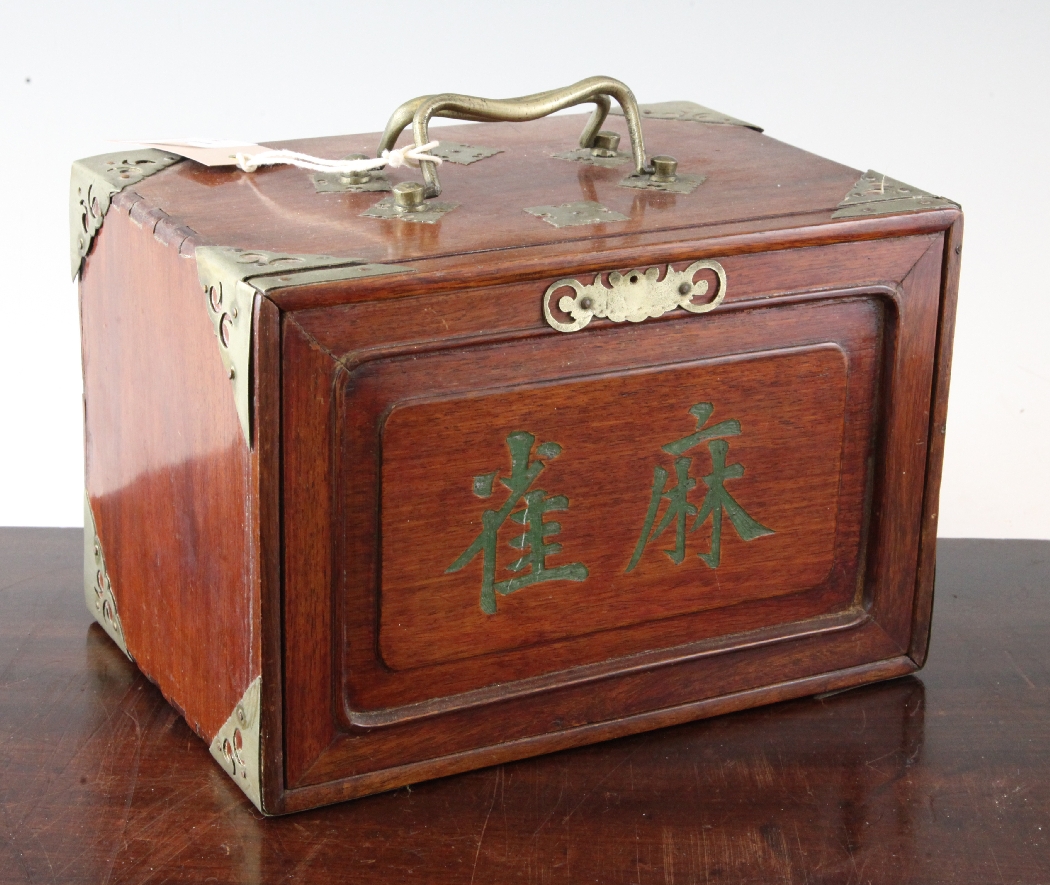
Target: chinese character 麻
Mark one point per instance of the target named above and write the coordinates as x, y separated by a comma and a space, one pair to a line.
716, 500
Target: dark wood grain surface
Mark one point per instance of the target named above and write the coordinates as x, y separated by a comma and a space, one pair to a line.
934, 778
750, 177
169, 477
341, 444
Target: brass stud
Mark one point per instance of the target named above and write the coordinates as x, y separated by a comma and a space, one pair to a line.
605, 144
409, 196
664, 168
356, 177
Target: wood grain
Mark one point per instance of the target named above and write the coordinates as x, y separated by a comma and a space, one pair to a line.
917, 778
168, 474
770, 300
618, 423
611, 450
750, 176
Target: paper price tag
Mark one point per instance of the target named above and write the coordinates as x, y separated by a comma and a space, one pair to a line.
208, 152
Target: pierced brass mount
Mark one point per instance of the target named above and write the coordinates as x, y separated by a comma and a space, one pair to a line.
665, 177
463, 154
236, 746
572, 214
633, 296
588, 157
231, 279
374, 180
409, 204
877, 194
603, 151
98, 589
93, 182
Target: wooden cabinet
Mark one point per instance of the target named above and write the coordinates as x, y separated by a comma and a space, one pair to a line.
449, 534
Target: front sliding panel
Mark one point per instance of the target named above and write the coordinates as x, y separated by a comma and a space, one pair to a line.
551, 505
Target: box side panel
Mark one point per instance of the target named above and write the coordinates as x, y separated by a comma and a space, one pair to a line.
169, 477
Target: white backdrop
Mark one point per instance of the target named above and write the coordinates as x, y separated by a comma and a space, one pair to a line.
948, 96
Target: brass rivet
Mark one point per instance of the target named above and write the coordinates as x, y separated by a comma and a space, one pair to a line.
685, 288
586, 303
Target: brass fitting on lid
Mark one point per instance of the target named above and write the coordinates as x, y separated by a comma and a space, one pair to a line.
605, 144
664, 168
356, 177
409, 196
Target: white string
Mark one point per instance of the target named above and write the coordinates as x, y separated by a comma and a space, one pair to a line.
410, 154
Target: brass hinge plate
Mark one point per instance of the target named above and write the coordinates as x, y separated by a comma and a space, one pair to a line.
632, 296
463, 154
372, 181
231, 278
877, 194
236, 746
688, 111
429, 212
93, 182
334, 183
98, 588
572, 214
682, 183
587, 156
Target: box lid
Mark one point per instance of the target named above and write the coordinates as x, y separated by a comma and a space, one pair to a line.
749, 183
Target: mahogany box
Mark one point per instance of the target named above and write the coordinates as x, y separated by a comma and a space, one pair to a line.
565, 439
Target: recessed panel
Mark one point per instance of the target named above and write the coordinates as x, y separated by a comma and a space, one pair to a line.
560, 510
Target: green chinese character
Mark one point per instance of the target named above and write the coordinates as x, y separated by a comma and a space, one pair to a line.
716, 502
678, 509
532, 563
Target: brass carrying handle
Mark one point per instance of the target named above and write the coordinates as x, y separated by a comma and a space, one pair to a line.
598, 90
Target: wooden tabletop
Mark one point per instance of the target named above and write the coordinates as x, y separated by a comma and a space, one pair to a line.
940, 777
